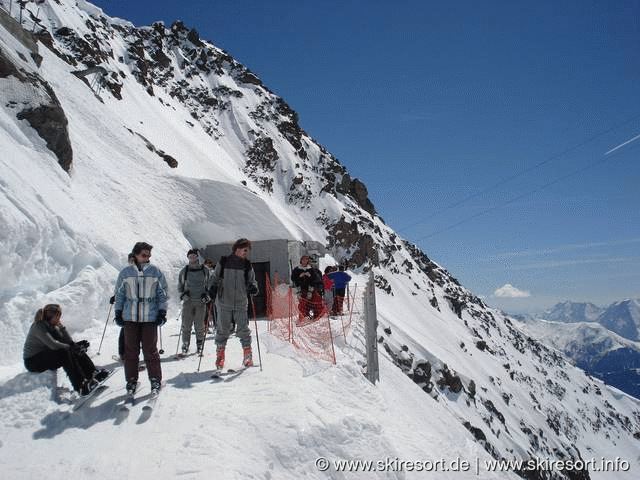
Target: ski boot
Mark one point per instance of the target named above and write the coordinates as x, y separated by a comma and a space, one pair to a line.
247, 360
220, 357
101, 375
155, 386
131, 387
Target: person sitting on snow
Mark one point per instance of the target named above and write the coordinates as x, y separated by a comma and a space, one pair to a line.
49, 346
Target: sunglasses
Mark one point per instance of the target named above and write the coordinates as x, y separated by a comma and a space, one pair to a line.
145, 255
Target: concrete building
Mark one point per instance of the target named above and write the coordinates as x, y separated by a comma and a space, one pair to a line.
274, 259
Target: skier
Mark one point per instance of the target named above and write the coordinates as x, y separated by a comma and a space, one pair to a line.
340, 281
193, 284
141, 307
232, 281
49, 346
308, 280
327, 285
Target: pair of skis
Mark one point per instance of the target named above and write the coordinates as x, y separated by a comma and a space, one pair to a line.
100, 387
220, 374
150, 402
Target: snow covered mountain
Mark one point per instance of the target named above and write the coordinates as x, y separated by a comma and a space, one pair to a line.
602, 341
570, 312
621, 317
594, 348
112, 134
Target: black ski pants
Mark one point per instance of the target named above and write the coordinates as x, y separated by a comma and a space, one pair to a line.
77, 365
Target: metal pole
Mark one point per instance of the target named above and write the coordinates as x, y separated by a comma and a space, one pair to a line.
204, 340
179, 334
255, 321
105, 329
333, 349
371, 324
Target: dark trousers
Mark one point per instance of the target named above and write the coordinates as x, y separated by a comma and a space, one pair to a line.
77, 365
135, 334
338, 300
121, 343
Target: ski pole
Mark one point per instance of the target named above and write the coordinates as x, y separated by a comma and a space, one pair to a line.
204, 340
202, 352
179, 334
253, 307
161, 351
105, 328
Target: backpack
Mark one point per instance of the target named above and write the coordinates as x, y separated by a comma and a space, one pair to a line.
202, 267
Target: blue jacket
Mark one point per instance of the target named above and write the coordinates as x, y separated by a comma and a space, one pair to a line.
340, 279
141, 293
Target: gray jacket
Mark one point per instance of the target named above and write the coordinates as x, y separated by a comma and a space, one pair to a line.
231, 285
42, 337
194, 283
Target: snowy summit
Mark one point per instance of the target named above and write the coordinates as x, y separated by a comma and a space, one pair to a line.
112, 134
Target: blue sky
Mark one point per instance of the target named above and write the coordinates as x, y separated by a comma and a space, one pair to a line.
481, 128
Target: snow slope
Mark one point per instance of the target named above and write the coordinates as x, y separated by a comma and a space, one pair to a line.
274, 423
180, 147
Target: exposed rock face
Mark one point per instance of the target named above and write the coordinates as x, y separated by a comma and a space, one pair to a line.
42, 110
51, 124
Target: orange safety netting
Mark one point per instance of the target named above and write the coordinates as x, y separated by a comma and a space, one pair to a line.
306, 322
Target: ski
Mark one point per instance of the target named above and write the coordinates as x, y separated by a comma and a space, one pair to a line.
100, 387
182, 356
151, 401
217, 374
130, 400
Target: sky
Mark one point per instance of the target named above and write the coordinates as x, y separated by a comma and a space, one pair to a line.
486, 132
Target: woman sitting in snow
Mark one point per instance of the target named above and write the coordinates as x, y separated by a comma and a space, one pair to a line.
49, 346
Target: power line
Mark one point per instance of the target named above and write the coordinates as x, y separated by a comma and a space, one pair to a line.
599, 161
522, 172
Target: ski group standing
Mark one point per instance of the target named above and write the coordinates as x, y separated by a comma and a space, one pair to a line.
140, 305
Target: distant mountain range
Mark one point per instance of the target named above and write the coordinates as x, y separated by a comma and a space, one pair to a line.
622, 317
601, 341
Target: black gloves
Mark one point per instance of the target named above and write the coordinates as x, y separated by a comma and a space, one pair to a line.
252, 289
80, 347
184, 294
205, 298
118, 318
161, 319
112, 300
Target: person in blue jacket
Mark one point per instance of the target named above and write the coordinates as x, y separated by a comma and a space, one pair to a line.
141, 307
340, 281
